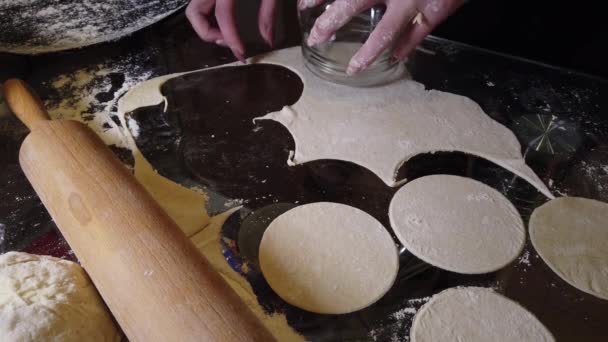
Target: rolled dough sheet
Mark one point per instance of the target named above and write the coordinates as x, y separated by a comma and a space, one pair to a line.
328, 258
571, 235
457, 224
381, 128
378, 128
476, 314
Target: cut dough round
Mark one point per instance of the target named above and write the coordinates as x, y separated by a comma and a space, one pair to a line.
457, 224
475, 314
571, 234
43, 298
328, 258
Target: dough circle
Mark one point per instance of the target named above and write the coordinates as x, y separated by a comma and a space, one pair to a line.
457, 224
328, 258
571, 235
476, 314
43, 298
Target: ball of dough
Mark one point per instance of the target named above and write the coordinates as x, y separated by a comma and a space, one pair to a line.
457, 224
571, 235
43, 298
476, 314
328, 258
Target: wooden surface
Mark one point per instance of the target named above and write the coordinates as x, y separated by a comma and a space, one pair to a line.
155, 282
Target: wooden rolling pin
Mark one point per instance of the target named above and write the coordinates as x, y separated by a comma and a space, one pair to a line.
155, 282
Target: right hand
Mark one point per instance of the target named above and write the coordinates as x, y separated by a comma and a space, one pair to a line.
402, 28
198, 13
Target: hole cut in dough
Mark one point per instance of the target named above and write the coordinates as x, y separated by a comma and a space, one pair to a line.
476, 314
571, 235
328, 258
457, 224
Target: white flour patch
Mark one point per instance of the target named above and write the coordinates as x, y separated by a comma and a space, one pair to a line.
88, 95
2, 235
395, 327
597, 174
233, 203
403, 313
524, 259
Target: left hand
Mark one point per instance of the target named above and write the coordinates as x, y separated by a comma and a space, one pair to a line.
404, 25
199, 13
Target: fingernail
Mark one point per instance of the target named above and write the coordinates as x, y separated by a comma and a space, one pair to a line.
220, 42
304, 4
268, 36
353, 69
313, 38
239, 54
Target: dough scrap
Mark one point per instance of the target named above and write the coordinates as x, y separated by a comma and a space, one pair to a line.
43, 298
328, 258
187, 207
476, 314
378, 128
457, 224
571, 235
381, 128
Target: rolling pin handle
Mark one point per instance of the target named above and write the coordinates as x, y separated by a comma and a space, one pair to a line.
23, 101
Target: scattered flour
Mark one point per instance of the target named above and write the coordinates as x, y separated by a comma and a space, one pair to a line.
32, 27
403, 313
524, 258
396, 327
2, 234
233, 203
77, 97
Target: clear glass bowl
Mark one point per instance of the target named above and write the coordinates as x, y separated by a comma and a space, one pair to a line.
330, 60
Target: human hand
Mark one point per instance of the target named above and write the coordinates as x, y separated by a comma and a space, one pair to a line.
402, 28
199, 12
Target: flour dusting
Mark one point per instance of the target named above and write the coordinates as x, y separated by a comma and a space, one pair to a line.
90, 95
32, 27
396, 327
524, 259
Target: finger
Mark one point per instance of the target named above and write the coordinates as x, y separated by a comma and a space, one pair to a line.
304, 4
437, 11
197, 13
224, 13
411, 39
431, 14
266, 20
338, 14
383, 37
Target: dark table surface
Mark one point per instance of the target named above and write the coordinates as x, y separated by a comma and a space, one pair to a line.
530, 98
